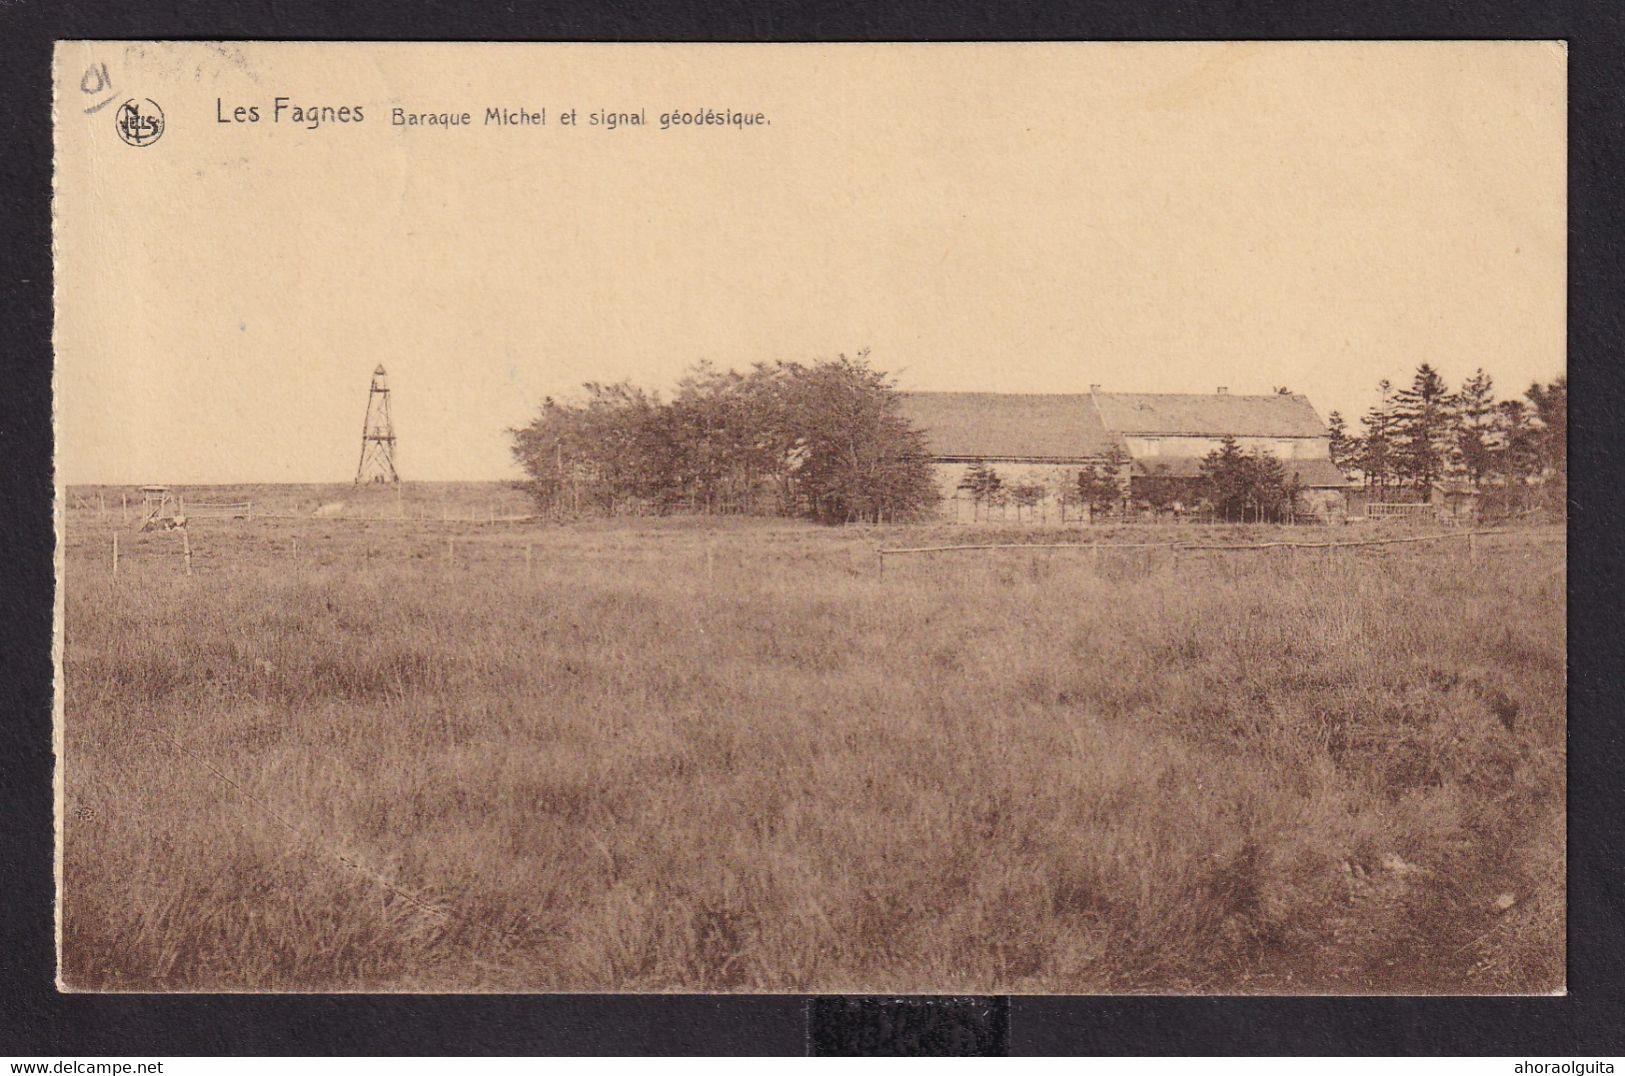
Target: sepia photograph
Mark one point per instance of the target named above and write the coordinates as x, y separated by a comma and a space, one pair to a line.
980, 518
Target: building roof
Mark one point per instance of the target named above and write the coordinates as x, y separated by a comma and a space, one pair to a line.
1210, 415
1313, 474
997, 425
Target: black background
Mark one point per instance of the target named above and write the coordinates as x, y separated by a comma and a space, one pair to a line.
36, 1020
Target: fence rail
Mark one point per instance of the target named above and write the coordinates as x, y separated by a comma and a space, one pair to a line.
1406, 510
1028, 545
1470, 536
427, 517
454, 550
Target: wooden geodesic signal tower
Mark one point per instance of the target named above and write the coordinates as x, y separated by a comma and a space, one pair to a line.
377, 435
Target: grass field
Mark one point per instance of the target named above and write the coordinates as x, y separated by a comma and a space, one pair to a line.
689, 755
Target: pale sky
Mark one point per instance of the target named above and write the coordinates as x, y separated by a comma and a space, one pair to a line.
1022, 218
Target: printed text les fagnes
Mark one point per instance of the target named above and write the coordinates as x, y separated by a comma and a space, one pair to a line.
285, 110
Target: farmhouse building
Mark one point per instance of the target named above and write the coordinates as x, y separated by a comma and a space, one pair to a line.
1038, 439
1039, 442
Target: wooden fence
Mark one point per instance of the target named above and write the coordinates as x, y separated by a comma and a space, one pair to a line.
453, 551
1470, 537
1390, 510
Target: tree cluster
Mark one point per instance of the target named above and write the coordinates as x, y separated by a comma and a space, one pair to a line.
1096, 487
1422, 436
826, 441
984, 484
1248, 486
988, 489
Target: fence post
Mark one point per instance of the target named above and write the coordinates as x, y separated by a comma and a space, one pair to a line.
448, 553
115, 554
186, 549
527, 560
1472, 547
124, 507
880, 554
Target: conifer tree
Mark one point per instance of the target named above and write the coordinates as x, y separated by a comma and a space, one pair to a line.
1550, 407
1099, 485
1476, 427
982, 483
1376, 458
1424, 430
1343, 447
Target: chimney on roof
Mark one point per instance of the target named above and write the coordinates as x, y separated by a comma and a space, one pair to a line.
1224, 390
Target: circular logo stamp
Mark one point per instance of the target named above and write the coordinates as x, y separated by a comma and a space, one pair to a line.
139, 122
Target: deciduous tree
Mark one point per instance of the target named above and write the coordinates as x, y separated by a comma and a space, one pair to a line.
826, 440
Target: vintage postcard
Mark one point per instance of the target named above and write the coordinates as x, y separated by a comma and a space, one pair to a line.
931, 518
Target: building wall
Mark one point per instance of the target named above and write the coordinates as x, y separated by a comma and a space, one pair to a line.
1058, 505
1282, 448
1056, 478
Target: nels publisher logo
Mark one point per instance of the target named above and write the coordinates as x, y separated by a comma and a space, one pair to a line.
140, 123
